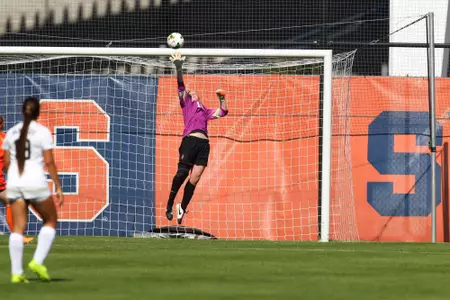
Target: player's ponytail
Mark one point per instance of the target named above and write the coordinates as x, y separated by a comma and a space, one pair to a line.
30, 112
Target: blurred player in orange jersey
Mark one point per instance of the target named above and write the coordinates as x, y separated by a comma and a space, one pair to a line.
2, 178
3, 198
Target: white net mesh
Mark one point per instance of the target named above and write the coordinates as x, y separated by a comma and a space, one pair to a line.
3, 224
118, 125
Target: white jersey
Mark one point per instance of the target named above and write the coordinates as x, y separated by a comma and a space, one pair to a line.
32, 184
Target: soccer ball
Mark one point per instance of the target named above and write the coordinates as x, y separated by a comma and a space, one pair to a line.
175, 40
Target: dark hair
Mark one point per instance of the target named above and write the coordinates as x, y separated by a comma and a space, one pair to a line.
30, 112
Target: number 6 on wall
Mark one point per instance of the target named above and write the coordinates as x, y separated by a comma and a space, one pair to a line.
86, 184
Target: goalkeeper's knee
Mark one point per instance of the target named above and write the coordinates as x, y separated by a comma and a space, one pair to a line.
182, 172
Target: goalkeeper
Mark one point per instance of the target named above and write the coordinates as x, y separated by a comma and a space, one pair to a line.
194, 148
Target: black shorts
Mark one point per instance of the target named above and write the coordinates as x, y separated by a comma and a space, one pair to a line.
194, 151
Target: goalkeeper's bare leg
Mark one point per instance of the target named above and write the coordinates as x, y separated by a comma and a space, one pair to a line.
189, 188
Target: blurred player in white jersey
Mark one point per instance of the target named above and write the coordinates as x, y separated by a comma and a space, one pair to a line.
28, 146
9, 218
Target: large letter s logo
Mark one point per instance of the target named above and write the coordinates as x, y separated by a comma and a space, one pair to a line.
86, 172
381, 155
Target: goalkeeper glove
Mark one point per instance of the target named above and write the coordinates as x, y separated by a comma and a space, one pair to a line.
177, 60
221, 94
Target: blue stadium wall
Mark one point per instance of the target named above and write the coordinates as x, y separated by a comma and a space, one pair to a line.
130, 101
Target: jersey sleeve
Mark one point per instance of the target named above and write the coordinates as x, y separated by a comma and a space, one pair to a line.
216, 113
182, 95
47, 140
6, 144
181, 92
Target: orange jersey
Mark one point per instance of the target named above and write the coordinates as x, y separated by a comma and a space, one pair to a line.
2, 162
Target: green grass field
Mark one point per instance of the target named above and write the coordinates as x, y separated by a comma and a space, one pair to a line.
119, 268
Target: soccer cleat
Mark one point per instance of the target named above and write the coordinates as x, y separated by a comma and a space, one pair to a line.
27, 240
180, 214
16, 278
169, 214
39, 270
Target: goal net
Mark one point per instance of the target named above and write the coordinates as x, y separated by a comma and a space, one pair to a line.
117, 126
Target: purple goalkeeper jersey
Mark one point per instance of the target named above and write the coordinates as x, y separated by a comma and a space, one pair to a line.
195, 114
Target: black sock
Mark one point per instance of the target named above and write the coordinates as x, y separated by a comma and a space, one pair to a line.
176, 184
188, 193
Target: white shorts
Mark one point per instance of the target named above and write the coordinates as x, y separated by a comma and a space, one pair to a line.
14, 193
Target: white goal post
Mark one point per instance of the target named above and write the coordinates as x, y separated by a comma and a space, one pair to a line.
325, 55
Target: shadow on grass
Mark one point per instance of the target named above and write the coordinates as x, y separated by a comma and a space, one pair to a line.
37, 280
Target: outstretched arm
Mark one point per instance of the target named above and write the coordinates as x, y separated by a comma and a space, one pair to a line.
222, 111
223, 103
178, 60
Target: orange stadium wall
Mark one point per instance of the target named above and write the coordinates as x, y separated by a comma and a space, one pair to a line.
391, 159
254, 187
